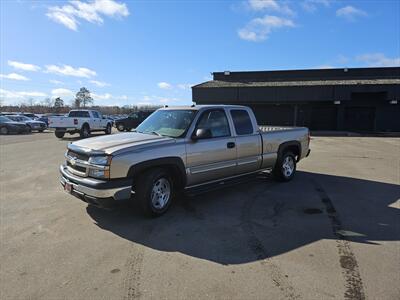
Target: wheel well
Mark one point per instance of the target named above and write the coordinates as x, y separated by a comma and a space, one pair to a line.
85, 124
173, 165
294, 147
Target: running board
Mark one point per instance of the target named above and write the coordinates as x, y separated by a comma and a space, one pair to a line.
208, 187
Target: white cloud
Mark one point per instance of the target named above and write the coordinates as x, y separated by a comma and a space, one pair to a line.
324, 67
56, 81
164, 85
13, 97
14, 76
70, 71
258, 29
350, 13
270, 5
378, 60
312, 5
22, 66
62, 93
92, 11
99, 83
106, 96
185, 86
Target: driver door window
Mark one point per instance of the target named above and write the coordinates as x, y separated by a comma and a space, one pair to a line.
216, 122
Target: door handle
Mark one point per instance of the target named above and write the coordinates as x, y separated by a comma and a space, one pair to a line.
230, 145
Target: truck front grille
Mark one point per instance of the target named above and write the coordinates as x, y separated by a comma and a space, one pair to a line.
77, 168
78, 155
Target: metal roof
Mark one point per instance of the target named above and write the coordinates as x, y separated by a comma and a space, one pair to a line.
237, 84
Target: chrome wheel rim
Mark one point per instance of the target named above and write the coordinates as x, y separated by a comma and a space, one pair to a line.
160, 193
121, 127
4, 130
288, 166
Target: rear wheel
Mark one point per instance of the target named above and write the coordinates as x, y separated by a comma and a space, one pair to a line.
155, 191
59, 134
41, 130
285, 167
120, 127
108, 129
85, 131
4, 130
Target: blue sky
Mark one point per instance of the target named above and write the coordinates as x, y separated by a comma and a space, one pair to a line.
151, 52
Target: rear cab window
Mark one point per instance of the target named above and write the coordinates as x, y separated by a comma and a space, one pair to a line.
79, 114
242, 121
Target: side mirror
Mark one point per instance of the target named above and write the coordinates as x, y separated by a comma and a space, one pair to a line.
202, 133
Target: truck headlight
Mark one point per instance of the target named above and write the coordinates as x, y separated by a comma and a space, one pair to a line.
97, 173
100, 160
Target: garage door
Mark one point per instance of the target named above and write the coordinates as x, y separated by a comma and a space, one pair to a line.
359, 118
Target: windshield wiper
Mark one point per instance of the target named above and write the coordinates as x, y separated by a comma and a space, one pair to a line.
155, 133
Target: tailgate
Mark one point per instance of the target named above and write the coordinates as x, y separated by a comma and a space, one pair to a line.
56, 122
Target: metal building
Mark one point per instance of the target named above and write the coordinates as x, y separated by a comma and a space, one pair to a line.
353, 99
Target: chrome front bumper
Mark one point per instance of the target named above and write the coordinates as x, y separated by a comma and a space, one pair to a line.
95, 191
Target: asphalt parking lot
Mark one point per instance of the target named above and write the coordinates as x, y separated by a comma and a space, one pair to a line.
331, 233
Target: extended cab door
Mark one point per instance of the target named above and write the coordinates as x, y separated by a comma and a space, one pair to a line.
96, 120
215, 157
248, 141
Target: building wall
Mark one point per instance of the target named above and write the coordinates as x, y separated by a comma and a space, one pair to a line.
361, 108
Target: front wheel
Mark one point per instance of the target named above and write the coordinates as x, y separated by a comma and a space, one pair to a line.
155, 191
285, 167
108, 129
120, 127
4, 130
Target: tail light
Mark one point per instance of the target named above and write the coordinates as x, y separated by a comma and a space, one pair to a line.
75, 121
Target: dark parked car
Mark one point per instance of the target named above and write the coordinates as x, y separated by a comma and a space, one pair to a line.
30, 116
34, 125
132, 121
9, 126
45, 118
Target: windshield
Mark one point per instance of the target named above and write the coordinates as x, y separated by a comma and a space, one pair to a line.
172, 123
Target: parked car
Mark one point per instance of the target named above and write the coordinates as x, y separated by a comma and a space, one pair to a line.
185, 148
80, 121
45, 118
9, 126
30, 115
132, 121
34, 125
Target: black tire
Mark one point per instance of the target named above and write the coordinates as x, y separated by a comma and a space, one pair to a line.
4, 130
128, 129
29, 129
85, 131
108, 129
41, 130
285, 163
120, 127
59, 134
144, 191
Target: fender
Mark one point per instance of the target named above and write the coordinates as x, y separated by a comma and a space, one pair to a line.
171, 162
285, 145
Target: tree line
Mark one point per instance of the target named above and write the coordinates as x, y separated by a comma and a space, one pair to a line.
83, 99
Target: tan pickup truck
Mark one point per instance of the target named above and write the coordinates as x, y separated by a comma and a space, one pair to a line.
179, 148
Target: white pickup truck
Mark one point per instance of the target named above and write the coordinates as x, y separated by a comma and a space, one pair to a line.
80, 121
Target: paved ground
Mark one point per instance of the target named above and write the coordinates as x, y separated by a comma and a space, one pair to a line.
331, 233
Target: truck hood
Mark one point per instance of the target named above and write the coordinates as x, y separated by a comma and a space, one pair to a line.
115, 142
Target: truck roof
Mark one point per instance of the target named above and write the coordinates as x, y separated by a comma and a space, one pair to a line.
203, 106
